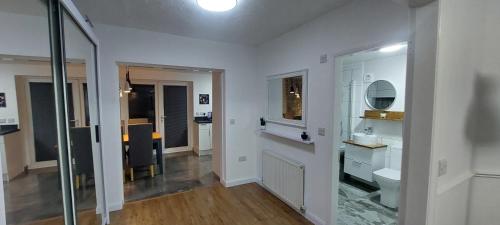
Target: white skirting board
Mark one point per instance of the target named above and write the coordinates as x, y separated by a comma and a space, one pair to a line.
237, 182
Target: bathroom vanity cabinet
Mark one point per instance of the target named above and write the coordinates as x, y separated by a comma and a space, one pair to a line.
362, 160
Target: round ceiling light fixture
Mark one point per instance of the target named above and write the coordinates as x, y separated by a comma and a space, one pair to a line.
217, 5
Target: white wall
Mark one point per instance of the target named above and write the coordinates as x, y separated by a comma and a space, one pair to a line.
454, 94
360, 24
483, 202
466, 119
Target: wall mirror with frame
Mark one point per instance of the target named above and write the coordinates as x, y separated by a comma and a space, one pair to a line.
380, 95
287, 97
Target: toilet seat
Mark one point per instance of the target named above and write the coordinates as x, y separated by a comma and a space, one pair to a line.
387, 173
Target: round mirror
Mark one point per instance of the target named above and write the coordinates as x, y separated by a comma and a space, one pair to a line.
380, 95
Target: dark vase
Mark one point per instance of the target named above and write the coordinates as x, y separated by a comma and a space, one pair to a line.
262, 122
304, 136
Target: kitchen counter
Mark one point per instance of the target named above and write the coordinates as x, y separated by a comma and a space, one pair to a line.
8, 129
202, 120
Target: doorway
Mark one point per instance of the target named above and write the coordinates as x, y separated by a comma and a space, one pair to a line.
370, 88
181, 101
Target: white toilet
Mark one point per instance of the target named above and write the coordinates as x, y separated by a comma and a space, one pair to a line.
389, 179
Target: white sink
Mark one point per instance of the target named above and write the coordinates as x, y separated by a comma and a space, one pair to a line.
364, 139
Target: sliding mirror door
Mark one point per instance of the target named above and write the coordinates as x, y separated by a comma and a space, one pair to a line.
50, 153
81, 58
30, 190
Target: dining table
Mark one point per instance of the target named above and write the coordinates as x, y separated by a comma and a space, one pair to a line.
156, 145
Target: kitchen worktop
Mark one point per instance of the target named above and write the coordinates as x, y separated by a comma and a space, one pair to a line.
7, 129
202, 120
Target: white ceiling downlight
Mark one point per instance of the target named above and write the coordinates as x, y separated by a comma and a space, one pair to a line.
217, 5
393, 48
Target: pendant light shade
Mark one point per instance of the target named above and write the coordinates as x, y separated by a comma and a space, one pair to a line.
128, 84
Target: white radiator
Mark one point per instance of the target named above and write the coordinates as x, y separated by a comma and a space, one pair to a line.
284, 178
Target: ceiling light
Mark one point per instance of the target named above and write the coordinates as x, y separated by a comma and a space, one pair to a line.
128, 84
217, 5
392, 48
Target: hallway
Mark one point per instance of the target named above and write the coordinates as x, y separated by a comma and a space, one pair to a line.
243, 205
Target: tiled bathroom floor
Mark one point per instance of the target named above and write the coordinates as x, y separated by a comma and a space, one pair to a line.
359, 207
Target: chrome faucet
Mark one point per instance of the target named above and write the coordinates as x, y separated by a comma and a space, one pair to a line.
369, 130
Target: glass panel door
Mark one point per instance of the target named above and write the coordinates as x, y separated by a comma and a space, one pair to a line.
80, 55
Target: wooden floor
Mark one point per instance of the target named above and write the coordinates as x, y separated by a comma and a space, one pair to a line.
242, 205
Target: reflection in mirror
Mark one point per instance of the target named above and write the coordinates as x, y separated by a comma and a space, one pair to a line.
292, 104
380, 95
286, 98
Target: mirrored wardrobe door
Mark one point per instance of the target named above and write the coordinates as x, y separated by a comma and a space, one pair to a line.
31, 189
81, 65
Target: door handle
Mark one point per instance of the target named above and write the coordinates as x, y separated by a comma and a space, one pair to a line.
97, 135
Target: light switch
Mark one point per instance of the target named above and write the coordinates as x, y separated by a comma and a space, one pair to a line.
323, 59
321, 131
242, 159
232, 121
443, 167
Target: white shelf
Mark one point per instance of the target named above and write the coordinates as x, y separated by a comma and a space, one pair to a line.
288, 136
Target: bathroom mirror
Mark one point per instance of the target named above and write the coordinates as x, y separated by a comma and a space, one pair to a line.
380, 95
287, 95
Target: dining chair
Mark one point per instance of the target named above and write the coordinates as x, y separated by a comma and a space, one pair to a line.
81, 145
140, 152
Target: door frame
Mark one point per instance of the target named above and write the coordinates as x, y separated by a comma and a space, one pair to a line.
189, 118
60, 73
219, 113
337, 100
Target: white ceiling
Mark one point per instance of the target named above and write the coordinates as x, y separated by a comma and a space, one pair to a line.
371, 54
252, 21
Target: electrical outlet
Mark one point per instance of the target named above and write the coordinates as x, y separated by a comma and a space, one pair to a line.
323, 59
321, 131
242, 159
443, 167
232, 121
